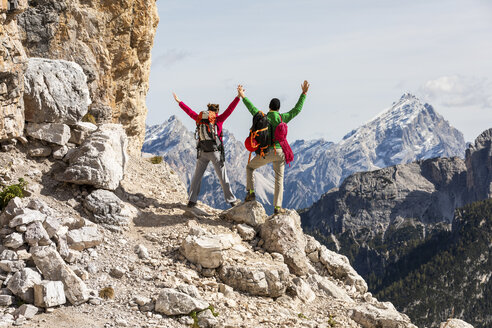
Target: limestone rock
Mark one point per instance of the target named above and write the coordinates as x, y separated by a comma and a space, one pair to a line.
112, 43
328, 287
36, 235
12, 266
206, 319
207, 250
22, 283
479, 167
49, 294
39, 150
13, 62
56, 133
26, 217
303, 290
246, 232
6, 300
251, 213
52, 266
370, 316
59, 151
339, 267
12, 209
55, 91
14, 240
80, 131
106, 208
8, 255
256, 278
455, 323
85, 237
28, 311
172, 302
101, 159
283, 234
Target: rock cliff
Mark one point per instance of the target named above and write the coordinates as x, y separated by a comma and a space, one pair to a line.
12, 66
111, 41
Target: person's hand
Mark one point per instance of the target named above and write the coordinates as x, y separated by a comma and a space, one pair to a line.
176, 98
240, 91
305, 87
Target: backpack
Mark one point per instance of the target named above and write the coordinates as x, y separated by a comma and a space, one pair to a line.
259, 139
206, 132
281, 137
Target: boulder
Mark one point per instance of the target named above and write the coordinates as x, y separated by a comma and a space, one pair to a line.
455, 323
36, 235
28, 311
207, 250
328, 287
106, 208
52, 266
55, 91
100, 161
256, 277
206, 319
385, 315
26, 217
85, 237
55, 133
59, 151
8, 255
172, 302
283, 234
12, 266
80, 131
11, 210
14, 240
246, 232
302, 290
251, 213
6, 300
39, 150
49, 294
22, 284
339, 267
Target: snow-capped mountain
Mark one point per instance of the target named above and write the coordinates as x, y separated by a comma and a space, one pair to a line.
409, 130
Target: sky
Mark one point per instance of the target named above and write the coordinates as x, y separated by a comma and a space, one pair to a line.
359, 56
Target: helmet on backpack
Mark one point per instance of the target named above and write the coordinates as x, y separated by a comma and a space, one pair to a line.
251, 144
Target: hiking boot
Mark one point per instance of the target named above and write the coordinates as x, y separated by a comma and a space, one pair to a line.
191, 204
279, 210
250, 197
235, 203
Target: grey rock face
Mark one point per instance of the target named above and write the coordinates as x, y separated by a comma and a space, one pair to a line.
283, 234
479, 166
85, 237
56, 133
328, 288
80, 131
172, 302
36, 235
455, 323
100, 161
370, 316
55, 91
207, 250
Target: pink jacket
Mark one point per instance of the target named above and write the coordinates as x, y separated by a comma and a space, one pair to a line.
220, 118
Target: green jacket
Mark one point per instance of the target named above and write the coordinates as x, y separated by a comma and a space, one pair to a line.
274, 116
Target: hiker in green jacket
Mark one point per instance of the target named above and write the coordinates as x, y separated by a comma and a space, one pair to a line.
275, 154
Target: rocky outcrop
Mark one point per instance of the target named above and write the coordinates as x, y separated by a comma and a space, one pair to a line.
12, 67
479, 166
112, 43
101, 159
455, 323
55, 92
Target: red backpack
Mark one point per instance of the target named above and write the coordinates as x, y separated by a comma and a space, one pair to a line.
281, 137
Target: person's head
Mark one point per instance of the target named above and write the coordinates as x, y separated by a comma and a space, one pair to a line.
274, 104
213, 107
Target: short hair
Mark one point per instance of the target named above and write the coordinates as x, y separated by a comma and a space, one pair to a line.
275, 104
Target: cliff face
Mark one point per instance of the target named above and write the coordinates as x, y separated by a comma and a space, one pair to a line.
111, 41
12, 66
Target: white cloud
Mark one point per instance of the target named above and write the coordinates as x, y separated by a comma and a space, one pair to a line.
459, 91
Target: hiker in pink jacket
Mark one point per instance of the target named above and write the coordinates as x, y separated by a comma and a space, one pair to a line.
210, 147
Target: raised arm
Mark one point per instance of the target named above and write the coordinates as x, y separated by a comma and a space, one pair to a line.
222, 117
185, 108
249, 105
286, 117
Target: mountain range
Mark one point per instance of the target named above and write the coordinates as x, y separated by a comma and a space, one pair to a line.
407, 131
